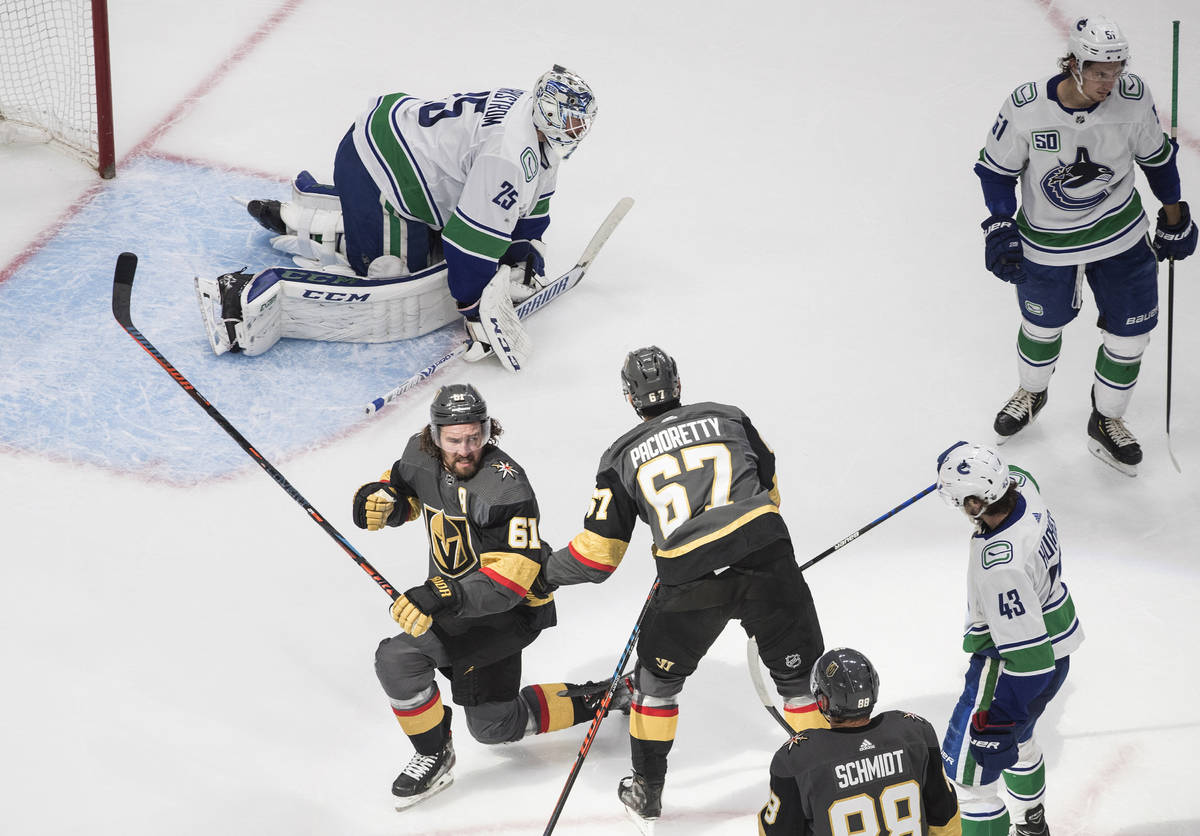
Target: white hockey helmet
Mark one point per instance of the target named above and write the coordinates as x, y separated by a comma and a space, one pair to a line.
1097, 39
564, 108
972, 470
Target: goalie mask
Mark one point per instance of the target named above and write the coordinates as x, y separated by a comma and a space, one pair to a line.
844, 684
564, 109
972, 470
458, 403
650, 378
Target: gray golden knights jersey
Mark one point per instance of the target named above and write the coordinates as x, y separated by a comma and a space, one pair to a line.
470, 165
1076, 168
483, 531
704, 481
884, 777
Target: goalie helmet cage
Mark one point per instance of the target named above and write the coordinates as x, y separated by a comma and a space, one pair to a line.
55, 81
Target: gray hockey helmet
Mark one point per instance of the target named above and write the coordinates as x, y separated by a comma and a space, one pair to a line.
845, 684
650, 378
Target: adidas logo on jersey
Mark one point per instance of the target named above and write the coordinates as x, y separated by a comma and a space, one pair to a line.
866, 746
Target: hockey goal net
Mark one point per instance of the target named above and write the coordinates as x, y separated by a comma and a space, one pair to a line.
54, 77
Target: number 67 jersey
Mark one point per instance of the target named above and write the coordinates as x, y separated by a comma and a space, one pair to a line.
704, 481
1018, 608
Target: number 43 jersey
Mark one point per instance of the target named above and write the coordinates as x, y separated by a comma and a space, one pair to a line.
704, 481
1018, 607
884, 777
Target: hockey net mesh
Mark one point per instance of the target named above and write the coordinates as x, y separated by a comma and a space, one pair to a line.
48, 75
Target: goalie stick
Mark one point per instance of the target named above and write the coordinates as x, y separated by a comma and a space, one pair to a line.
534, 303
752, 645
122, 290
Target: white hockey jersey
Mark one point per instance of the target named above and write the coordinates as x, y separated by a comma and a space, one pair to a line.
1076, 168
1018, 607
470, 164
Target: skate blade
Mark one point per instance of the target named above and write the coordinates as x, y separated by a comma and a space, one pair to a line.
438, 785
1097, 450
644, 826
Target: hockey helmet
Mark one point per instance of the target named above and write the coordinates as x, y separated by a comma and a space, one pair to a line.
972, 470
845, 684
650, 378
458, 403
1097, 39
564, 109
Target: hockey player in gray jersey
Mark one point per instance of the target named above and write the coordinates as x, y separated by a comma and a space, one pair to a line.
1074, 142
1020, 631
704, 481
466, 179
864, 774
484, 600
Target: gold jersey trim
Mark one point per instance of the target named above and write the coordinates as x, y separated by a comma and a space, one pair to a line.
723, 531
606, 551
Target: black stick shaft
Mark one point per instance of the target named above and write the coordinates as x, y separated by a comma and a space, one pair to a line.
600, 712
867, 527
122, 290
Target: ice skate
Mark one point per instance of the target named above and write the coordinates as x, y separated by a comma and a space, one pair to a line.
642, 800
267, 213
593, 694
1018, 413
424, 776
1112, 443
1034, 824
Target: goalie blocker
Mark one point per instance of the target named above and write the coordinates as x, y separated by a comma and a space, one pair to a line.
249, 314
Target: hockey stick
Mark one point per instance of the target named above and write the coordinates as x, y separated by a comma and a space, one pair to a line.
122, 290
752, 645
1171, 261
600, 712
556, 288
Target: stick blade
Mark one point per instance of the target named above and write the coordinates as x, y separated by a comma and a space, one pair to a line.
123, 287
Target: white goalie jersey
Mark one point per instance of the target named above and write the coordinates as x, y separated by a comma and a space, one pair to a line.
470, 165
1077, 168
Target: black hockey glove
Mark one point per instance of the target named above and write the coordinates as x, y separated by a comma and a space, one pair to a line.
1002, 249
993, 744
415, 609
375, 506
1175, 241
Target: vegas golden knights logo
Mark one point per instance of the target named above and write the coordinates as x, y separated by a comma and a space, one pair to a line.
449, 542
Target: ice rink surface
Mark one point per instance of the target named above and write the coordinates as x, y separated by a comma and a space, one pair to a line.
185, 652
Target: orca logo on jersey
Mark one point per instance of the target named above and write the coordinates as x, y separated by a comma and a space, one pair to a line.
1062, 184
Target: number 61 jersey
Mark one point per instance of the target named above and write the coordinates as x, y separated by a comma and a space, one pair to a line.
704, 481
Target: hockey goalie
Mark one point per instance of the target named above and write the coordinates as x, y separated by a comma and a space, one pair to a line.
437, 211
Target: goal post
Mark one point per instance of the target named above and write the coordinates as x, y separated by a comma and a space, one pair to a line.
55, 77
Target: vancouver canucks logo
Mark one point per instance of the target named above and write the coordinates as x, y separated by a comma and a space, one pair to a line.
1069, 186
964, 468
449, 542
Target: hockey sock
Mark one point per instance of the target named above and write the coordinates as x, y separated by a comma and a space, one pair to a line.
424, 724
551, 711
1037, 352
983, 811
1026, 779
1118, 361
652, 722
801, 713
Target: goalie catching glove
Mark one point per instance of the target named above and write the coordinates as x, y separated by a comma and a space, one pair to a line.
415, 609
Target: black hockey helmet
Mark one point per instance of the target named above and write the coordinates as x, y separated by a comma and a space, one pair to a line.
844, 684
650, 378
457, 403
